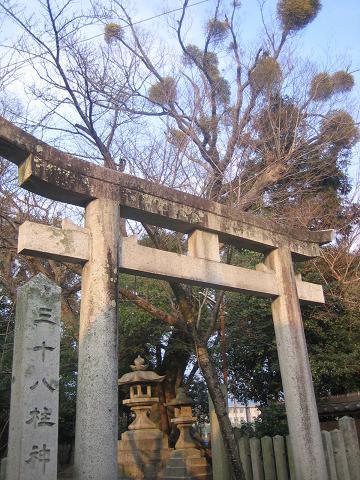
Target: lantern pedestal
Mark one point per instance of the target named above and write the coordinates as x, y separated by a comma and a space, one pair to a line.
186, 462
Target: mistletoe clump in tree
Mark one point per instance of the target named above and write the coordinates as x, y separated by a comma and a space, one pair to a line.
212, 118
296, 14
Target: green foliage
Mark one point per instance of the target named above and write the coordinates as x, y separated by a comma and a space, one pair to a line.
113, 32
266, 74
139, 332
164, 91
332, 333
296, 14
333, 338
68, 383
272, 421
199, 394
251, 349
250, 342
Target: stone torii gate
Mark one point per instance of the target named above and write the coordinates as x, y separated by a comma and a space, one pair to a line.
107, 196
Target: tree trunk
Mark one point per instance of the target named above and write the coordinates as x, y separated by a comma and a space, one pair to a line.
221, 411
173, 366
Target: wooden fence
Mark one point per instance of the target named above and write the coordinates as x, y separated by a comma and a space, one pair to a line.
270, 458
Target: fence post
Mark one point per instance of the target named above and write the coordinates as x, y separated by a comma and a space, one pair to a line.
280, 458
268, 458
348, 429
256, 460
245, 457
341, 464
329, 455
290, 458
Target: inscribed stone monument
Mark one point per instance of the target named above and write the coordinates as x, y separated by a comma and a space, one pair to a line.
33, 428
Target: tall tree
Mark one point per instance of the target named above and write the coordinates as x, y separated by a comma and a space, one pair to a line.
252, 131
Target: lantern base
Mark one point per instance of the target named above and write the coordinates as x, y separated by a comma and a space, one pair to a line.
186, 464
142, 454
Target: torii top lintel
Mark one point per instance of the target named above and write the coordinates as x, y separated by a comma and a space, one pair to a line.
59, 176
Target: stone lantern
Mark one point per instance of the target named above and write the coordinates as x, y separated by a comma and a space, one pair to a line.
183, 418
143, 449
186, 461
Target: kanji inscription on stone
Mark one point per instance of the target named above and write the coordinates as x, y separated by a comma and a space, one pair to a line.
33, 429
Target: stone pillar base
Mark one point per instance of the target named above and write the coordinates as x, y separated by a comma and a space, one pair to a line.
186, 464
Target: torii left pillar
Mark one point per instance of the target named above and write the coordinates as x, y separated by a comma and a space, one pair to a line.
96, 247
97, 396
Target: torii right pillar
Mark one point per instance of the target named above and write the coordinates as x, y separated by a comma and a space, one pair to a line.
301, 410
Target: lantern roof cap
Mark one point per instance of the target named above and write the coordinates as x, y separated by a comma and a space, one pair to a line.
182, 398
140, 374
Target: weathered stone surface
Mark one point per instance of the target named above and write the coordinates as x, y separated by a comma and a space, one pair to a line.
140, 260
329, 455
268, 458
3, 468
60, 244
45, 170
348, 429
245, 457
204, 245
280, 458
143, 449
159, 205
186, 464
33, 429
295, 371
97, 404
256, 459
341, 463
142, 453
54, 174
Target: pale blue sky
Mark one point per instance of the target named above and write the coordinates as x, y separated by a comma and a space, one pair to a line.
331, 40
334, 33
